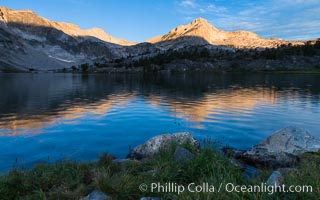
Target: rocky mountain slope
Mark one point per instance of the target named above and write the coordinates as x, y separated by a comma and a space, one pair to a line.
200, 31
30, 42
29, 18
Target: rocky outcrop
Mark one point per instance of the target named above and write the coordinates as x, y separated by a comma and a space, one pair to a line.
281, 149
155, 145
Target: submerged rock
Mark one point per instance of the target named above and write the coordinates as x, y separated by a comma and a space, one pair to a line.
182, 155
282, 148
154, 145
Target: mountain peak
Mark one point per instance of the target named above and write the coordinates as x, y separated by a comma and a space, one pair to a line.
26, 10
198, 28
199, 20
5, 10
201, 23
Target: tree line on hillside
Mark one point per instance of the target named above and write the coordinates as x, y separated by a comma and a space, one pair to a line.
204, 54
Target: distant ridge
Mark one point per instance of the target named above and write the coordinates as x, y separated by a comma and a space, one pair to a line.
28, 17
200, 28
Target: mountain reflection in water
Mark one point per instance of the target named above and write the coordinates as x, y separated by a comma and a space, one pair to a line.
81, 116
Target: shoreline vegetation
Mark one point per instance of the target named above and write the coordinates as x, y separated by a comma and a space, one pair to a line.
169, 158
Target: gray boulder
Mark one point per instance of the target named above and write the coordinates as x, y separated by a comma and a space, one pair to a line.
158, 143
277, 177
96, 195
182, 155
282, 148
151, 198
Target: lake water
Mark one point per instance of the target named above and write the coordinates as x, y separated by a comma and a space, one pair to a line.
50, 117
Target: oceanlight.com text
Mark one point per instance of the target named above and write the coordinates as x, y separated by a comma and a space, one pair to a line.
172, 187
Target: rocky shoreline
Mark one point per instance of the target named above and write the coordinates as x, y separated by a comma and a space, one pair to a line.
279, 152
289, 156
281, 149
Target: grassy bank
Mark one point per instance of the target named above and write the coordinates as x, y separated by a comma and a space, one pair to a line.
70, 180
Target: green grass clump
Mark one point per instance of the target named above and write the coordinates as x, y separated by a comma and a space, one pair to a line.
71, 180
308, 173
55, 181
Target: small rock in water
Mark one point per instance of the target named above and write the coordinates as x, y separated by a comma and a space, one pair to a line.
96, 195
182, 155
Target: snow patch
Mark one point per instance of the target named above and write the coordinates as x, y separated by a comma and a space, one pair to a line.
63, 60
58, 53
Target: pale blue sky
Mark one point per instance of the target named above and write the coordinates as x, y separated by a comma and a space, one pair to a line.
138, 20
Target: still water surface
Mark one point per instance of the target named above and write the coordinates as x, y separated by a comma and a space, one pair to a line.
50, 117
